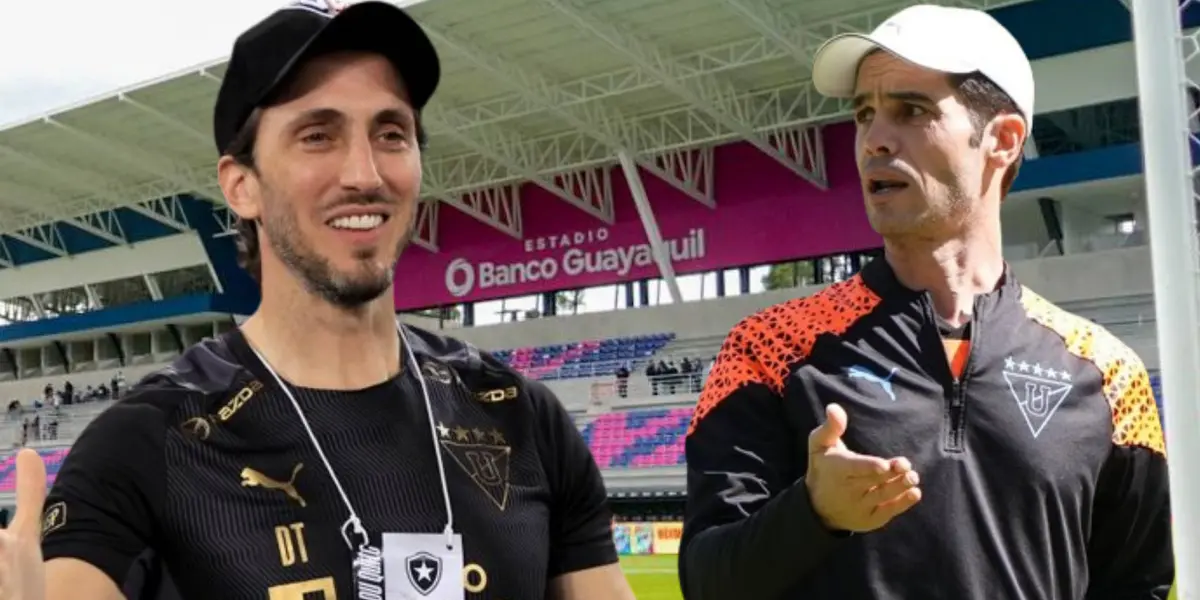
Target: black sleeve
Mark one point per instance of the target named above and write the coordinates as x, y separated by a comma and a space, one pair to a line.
149, 580
1129, 552
749, 528
581, 520
104, 504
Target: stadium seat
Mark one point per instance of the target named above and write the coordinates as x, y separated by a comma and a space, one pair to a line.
638, 438
53, 457
586, 358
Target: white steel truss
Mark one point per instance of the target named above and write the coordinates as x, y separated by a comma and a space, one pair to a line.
179, 126
498, 206
607, 130
707, 92
604, 86
135, 157
573, 163
93, 190
94, 216
226, 219
506, 148
33, 201
783, 108
425, 229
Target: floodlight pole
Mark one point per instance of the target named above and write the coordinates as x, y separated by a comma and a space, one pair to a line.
1170, 203
662, 257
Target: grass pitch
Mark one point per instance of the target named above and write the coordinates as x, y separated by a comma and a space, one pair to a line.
653, 577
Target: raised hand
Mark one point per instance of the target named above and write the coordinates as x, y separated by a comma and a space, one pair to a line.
22, 576
851, 491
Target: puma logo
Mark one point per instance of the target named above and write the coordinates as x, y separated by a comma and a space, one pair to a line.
861, 372
252, 478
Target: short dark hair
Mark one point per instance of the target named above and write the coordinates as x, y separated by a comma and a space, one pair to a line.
241, 149
985, 101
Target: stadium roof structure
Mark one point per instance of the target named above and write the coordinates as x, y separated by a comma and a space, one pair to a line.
532, 90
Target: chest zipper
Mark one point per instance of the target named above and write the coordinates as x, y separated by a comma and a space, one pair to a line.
954, 422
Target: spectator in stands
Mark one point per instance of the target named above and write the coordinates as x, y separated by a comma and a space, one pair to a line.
653, 370
965, 437
685, 371
622, 375
118, 382
68, 392
694, 367
669, 373
321, 425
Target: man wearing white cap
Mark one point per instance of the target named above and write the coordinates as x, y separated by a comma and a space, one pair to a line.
929, 428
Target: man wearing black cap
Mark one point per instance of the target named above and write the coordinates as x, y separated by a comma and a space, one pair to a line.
320, 451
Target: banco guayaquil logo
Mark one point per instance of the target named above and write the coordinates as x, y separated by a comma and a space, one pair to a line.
460, 277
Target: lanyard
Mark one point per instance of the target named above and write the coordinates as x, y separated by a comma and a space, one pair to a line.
354, 522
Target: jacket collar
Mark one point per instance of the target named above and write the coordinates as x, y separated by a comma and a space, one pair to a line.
879, 276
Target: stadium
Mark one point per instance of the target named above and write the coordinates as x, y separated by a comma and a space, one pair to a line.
610, 187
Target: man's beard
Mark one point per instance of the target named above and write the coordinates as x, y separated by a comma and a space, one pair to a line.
349, 290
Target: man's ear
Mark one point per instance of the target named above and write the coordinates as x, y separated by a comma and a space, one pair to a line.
239, 184
1007, 133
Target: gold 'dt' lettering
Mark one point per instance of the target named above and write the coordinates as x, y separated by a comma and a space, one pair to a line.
292, 546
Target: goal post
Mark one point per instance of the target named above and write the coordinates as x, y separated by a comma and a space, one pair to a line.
1163, 52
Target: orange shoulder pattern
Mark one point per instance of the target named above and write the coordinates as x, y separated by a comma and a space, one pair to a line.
1126, 383
764, 346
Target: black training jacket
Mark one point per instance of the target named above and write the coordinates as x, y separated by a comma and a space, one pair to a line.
1042, 466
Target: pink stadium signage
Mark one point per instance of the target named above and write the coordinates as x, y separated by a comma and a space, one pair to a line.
764, 213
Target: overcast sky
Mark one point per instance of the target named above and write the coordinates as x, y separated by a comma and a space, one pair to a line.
63, 52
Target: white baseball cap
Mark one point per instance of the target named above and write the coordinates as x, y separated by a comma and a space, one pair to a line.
940, 38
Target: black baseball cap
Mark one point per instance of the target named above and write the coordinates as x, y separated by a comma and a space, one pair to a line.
268, 54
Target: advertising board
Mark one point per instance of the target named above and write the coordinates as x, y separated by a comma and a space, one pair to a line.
764, 213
